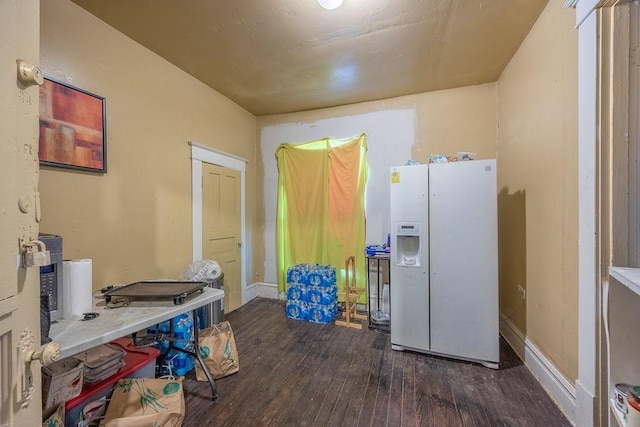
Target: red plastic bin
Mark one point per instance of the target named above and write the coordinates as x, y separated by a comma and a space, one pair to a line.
138, 363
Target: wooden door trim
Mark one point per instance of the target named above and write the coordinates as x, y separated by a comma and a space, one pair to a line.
203, 154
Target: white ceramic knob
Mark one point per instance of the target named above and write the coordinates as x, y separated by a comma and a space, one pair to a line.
47, 354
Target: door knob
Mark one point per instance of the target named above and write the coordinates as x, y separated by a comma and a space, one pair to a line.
47, 355
29, 74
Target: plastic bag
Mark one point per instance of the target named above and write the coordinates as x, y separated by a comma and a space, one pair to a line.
202, 270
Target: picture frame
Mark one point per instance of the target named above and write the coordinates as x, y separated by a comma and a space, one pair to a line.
72, 128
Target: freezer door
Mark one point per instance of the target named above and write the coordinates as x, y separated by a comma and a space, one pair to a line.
409, 267
464, 259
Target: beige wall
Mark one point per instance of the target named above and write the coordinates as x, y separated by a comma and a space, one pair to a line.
135, 220
446, 121
538, 187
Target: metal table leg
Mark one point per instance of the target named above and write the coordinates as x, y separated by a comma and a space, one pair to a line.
379, 290
369, 308
196, 346
195, 353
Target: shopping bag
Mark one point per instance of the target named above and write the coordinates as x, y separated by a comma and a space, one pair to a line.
218, 350
54, 418
142, 402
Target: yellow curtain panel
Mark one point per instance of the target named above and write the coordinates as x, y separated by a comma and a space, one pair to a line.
321, 216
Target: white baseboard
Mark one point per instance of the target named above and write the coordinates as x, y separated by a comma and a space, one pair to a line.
586, 407
557, 385
268, 290
512, 335
251, 292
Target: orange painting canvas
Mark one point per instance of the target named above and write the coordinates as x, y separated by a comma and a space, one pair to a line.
72, 128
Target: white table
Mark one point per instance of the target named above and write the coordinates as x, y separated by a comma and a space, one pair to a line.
75, 335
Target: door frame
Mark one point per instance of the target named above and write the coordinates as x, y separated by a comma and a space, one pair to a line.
203, 154
597, 48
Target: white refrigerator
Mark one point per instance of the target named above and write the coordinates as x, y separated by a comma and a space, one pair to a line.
444, 260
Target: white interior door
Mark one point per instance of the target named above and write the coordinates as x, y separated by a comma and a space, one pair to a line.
222, 227
19, 287
463, 226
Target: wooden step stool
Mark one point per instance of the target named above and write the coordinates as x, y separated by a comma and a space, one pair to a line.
351, 294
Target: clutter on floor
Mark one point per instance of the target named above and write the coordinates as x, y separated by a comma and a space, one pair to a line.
81, 390
117, 382
100, 378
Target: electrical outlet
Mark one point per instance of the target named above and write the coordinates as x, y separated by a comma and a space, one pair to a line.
522, 292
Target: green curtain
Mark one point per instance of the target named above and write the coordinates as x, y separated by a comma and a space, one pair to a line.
321, 217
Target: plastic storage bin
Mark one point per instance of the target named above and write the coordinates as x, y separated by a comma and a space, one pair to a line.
101, 362
138, 363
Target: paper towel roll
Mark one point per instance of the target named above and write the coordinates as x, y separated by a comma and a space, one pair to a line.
77, 287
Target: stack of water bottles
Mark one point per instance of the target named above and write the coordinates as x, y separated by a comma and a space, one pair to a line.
312, 293
176, 362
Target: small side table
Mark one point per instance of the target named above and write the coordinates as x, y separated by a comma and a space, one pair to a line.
378, 319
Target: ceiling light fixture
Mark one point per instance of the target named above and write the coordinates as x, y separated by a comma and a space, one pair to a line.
330, 4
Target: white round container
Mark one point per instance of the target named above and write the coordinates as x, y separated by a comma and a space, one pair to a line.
620, 397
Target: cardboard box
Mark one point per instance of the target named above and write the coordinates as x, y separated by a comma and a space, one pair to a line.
61, 381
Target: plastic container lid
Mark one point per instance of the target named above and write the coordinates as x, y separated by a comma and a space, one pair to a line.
96, 372
99, 356
623, 388
103, 374
635, 391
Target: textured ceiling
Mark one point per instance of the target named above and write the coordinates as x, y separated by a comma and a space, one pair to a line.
278, 56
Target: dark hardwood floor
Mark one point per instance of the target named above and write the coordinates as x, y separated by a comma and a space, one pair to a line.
295, 373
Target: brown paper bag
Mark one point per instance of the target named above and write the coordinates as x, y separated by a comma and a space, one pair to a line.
141, 402
218, 350
54, 418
